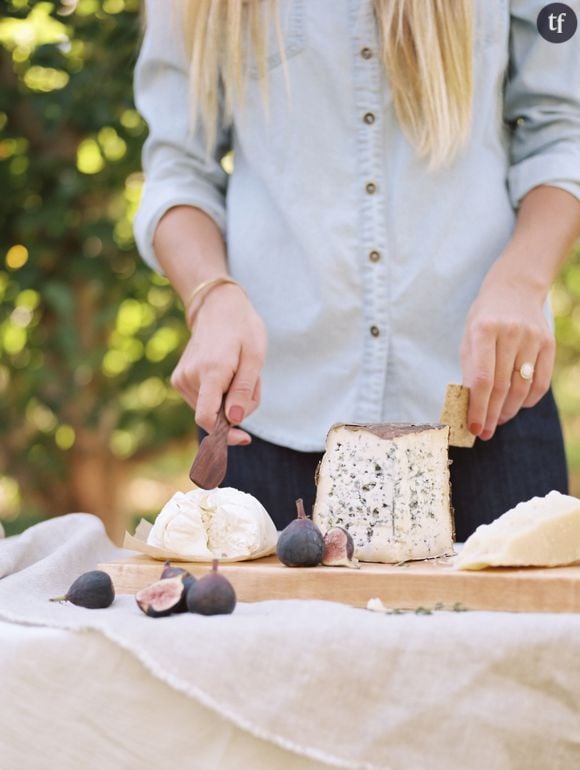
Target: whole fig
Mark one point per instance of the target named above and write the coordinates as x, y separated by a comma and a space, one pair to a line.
301, 543
213, 594
93, 590
170, 571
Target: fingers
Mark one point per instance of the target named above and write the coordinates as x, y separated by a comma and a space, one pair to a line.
520, 387
239, 437
507, 346
207, 407
211, 394
204, 374
498, 391
244, 391
479, 355
210, 397
543, 372
540, 351
201, 377
257, 395
184, 378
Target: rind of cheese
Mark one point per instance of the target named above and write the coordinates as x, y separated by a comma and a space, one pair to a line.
222, 523
388, 485
541, 532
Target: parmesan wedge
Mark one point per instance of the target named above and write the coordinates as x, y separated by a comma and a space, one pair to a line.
541, 532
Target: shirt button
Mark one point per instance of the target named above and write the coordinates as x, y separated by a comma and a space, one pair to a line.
374, 256
369, 118
375, 331
366, 53
371, 188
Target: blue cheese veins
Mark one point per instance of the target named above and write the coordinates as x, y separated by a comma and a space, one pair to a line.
388, 485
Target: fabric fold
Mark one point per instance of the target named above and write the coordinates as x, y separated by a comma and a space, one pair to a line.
346, 687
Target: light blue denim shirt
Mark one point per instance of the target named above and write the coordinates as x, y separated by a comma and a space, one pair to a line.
362, 262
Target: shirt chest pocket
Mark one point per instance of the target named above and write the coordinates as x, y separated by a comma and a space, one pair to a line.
283, 40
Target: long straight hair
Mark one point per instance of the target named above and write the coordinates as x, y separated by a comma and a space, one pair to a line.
426, 49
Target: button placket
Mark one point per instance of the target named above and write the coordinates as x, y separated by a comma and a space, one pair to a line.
369, 86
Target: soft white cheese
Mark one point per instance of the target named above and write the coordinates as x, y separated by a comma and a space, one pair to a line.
388, 485
221, 523
179, 526
236, 523
541, 532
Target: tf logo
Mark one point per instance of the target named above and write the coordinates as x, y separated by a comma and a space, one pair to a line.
557, 22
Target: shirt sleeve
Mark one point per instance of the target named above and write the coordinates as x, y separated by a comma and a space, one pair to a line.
176, 167
542, 102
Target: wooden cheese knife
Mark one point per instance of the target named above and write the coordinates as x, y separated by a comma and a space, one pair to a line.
210, 464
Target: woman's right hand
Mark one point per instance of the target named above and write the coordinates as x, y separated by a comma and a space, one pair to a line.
225, 354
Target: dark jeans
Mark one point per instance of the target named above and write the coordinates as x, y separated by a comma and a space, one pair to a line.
524, 458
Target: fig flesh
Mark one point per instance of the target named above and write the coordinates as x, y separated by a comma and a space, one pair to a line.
301, 543
339, 549
213, 594
93, 590
188, 580
163, 597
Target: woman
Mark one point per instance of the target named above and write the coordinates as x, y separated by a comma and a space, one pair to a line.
406, 184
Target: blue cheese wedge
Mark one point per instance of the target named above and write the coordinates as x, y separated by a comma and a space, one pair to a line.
388, 485
541, 532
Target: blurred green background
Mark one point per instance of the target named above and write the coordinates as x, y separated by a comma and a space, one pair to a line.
88, 334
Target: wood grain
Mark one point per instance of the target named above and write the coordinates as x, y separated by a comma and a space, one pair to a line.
411, 585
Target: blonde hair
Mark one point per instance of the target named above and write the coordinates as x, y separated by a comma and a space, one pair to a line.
426, 48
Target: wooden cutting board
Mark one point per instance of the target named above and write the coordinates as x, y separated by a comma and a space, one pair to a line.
408, 586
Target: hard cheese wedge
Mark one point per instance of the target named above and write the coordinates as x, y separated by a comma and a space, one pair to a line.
542, 532
388, 485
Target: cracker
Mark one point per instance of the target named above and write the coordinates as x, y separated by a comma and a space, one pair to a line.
454, 414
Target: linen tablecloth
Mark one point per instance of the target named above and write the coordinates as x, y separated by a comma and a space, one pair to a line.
281, 684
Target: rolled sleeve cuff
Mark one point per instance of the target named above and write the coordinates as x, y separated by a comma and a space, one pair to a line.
157, 199
555, 169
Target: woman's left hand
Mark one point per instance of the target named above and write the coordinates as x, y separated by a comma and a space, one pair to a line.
505, 328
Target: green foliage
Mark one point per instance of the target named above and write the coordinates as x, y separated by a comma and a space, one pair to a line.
566, 306
88, 335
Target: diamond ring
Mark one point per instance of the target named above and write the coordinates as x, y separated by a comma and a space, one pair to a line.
526, 371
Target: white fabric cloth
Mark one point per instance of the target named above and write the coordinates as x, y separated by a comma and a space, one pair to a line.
316, 681
364, 290
91, 705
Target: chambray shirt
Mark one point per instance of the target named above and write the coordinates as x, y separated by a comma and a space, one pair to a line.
362, 262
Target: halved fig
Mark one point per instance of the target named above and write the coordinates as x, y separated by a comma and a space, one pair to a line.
188, 580
162, 597
339, 549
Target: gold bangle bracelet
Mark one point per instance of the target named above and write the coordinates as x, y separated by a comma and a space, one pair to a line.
206, 286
